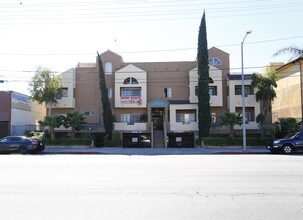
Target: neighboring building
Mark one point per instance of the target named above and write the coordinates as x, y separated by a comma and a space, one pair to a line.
252, 107
18, 114
289, 100
154, 101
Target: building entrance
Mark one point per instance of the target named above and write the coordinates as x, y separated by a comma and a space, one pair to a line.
157, 118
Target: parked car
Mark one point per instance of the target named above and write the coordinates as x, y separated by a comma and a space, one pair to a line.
287, 145
21, 144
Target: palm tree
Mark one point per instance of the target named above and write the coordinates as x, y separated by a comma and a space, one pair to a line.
52, 122
290, 50
230, 119
266, 93
73, 120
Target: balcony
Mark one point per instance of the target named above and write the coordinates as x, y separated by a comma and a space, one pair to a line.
124, 126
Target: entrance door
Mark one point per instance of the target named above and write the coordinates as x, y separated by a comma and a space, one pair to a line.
157, 118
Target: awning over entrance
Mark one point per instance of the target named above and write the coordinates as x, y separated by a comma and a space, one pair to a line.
158, 103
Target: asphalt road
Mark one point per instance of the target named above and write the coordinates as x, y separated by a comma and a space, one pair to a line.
151, 187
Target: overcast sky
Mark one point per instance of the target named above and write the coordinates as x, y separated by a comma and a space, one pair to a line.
59, 34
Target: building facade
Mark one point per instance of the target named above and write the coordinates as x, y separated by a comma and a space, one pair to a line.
289, 100
18, 114
155, 101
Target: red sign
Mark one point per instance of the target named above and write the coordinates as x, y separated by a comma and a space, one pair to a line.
131, 100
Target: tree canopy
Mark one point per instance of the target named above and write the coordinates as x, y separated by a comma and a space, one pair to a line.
265, 83
44, 87
74, 120
107, 112
230, 119
203, 82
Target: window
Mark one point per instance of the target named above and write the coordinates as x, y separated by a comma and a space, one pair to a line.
212, 90
130, 91
130, 119
214, 61
89, 113
110, 93
108, 68
130, 80
213, 117
167, 92
247, 90
63, 92
249, 113
186, 116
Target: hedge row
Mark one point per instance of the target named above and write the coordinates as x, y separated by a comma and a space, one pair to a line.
67, 141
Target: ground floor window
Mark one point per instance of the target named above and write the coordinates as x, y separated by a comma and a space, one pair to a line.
249, 113
186, 116
130, 119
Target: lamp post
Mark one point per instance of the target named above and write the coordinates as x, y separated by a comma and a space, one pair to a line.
243, 94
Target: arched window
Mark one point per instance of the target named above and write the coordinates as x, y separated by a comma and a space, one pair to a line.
130, 80
214, 61
108, 68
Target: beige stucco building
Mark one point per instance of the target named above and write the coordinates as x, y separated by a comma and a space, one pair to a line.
157, 99
289, 100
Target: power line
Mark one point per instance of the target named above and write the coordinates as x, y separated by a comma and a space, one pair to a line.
144, 51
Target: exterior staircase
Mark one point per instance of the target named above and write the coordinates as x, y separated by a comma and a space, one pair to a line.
158, 139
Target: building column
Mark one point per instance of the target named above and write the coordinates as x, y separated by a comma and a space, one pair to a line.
166, 114
149, 114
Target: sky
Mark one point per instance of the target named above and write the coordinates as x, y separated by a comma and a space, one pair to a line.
59, 34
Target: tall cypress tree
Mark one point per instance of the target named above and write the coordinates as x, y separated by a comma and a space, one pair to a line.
107, 112
203, 82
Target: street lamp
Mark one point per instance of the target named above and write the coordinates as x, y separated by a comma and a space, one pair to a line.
243, 94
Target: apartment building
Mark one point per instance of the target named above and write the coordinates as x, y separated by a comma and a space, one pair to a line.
154, 101
289, 100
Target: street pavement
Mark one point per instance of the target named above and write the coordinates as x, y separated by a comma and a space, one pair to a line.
162, 187
154, 151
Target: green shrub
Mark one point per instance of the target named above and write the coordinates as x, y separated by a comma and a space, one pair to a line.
115, 142
67, 141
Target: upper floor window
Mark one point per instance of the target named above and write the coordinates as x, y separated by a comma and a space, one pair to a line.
214, 61
210, 80
167, 92
63, 92
130, 91
212, 90
130, 80
248, 90
108, 68
110, 93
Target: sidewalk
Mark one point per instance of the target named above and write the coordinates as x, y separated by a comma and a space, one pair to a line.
153, 151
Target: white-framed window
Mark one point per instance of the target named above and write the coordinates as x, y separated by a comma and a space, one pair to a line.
108, 66
247, 90
130, 80
131, 91
62, 93
167, 92
212, 90
186, 116
130, 119
110, 93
